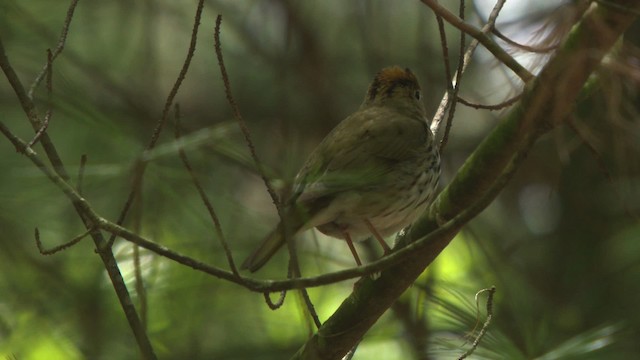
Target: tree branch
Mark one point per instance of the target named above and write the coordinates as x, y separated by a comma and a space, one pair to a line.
60, 177
482, 37
155, 135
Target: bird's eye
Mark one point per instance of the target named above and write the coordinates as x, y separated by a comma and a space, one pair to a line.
417, 94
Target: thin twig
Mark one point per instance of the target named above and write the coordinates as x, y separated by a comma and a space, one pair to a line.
483, 38
533, 49
59, 248
60, 177
310, 307
252, 150
203, 196
294, 272
274, 305
444, 104
32, 113
238, 116
485, 326
47, 115
58, 49
445, 51
456, 86
140, 169
498, 106
43, 128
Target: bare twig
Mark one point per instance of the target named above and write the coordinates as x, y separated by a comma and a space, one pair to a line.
238, 116
310, 307
59, 248
456, 87
294, 265
235, 109
483, 38
47, 116
444, 104
445, 51
32, 113
155, 135
58, 49
498, 106
60, 178
485, 326
43, 128
274, 305
203, 196
533, 49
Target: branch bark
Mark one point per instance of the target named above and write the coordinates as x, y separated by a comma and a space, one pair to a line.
547, 101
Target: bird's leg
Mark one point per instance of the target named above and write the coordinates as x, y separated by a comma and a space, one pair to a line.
376, 235
347, 238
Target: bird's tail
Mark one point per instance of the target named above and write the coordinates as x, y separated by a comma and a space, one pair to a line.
296, 221
269, 246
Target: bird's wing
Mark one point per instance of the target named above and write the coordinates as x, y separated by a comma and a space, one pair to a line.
361, 152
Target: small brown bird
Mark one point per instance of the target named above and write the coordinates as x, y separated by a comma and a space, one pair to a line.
372, 175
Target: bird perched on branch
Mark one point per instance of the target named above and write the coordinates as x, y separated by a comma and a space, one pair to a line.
372, 175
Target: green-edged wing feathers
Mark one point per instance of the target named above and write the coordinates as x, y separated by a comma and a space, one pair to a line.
360, 153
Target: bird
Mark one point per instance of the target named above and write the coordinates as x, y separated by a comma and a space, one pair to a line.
372, 175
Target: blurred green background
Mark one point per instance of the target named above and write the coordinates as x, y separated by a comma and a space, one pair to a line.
561, 243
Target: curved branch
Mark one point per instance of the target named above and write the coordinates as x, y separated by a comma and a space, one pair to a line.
59, 177
155, 135
482, 37
58, 49
59, 248
466, 59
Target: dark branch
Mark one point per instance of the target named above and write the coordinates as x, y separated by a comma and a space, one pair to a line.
203, 196
59, 248
54, 54
485, 326
155, 135
482, 37
498, 106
